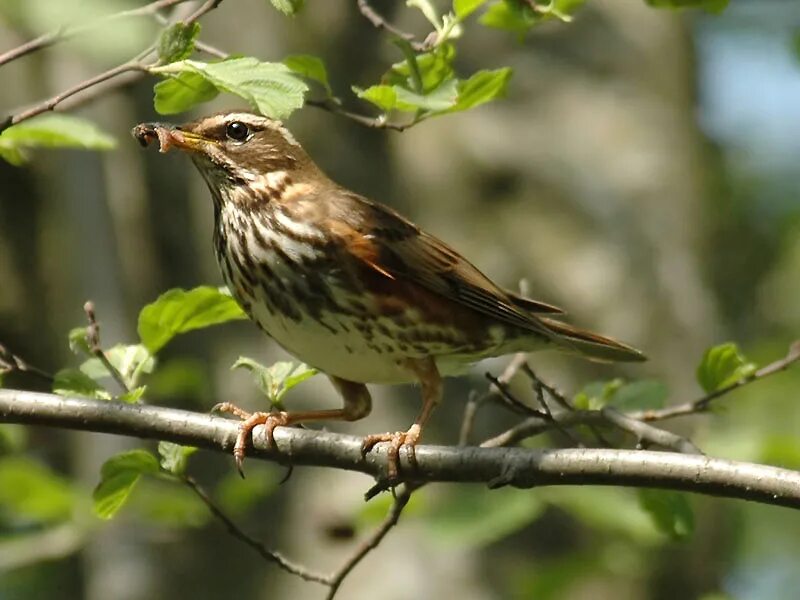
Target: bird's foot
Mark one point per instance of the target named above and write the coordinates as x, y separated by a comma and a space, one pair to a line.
270, 420
398, 439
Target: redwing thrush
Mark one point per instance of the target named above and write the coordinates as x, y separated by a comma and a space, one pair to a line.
347, 285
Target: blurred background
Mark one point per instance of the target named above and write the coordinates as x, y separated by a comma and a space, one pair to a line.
642, 173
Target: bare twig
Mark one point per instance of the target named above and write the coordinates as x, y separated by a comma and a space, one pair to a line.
379, 22
93, 340
65, 33
239, 534
647, 434
401, 498
10, 362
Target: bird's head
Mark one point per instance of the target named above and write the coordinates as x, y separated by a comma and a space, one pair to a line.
236, 152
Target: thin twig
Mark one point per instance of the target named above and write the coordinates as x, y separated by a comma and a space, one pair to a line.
10, 362
400, 500
238, 533
93, 340
380, 23
647, 434
65, 33
468, 420
512, 401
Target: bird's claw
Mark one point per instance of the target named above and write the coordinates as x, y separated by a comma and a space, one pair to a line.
270, 420
396, 440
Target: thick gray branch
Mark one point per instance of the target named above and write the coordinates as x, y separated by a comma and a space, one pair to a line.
517, 467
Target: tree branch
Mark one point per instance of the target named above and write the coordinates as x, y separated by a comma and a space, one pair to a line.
518, 467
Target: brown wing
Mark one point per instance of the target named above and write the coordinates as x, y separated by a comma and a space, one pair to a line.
397, 248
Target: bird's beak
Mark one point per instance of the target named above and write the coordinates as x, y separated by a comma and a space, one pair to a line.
169, 136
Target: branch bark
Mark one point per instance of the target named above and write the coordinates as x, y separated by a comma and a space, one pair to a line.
518, 467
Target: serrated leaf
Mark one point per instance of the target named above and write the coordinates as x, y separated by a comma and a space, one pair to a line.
178, 311
712, 6
181, 93
382, 96
174, 457
131, 360
277, 379
647, 394
464, 8
670, 511
289, 7
133, 396
434, 68
72, 382
441, 99
310, 67
52, 131
77, 340
30, 490
721, 366
482, 87
271, 88
177, 42
118, 476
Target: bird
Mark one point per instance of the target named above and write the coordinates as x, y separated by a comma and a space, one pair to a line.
348, 285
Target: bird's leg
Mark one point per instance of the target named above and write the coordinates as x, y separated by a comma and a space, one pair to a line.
357, 405
431, 382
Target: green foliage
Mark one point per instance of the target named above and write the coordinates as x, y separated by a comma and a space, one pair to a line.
78, 341
30, 490
289, 7
464, 8
518, 16
712, 6
721, 366
236, 495
51, 131
174, 458
271, 88
182, 92
277, 379
72, 382
178, 311
644, 394
476, 517
177, 42
310, 67
670, 511
131, 360
118, 476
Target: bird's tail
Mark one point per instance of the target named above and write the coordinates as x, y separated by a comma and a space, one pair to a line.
592, 345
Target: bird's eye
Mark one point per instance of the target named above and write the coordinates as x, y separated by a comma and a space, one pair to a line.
237, 131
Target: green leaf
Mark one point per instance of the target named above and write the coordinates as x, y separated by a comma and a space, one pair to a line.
564, 9
721, 366
181, 93
442, 99
712, 6
175, 457
30, 490
510, 15
274, 381
428, 10
476, 517
310, 67
72, 382
178, 311
670, 511
289, 7
434, 68
647, 394
464, 8
177, 42
597, 394
382, 96
133, 396
52, 131
77, 340
482, 87
132, 361
272, 88
118, 476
